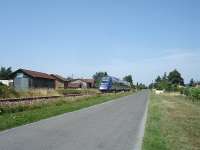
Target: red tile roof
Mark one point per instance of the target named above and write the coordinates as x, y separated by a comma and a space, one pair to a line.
56, 76
88, 80
36, 74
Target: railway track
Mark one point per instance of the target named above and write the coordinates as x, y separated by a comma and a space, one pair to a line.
14, 100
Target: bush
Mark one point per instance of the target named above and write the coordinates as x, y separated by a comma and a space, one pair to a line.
184, 91
193, 93
167, 86
7, 92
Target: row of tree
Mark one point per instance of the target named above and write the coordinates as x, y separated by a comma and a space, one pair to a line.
194, 83
168, 82
99, 75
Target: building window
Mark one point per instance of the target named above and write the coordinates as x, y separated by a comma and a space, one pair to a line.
19, 75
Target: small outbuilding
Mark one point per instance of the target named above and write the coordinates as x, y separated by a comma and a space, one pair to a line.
197, 85
59, 81
80, 83
28, 79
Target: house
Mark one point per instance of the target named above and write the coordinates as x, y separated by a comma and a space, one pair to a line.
197, 85
27, 79
80, 83
59, 81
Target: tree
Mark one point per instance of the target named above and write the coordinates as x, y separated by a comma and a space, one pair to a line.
164, 78
151, 85
5, 73
158, 79
164, 85
168, 82
137, 85
192, 82
175, 78
141, 86
98, 76
129, 79
157, 83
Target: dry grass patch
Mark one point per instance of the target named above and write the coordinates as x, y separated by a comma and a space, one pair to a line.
178, 124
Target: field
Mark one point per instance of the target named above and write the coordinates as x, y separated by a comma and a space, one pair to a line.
173, 123
12, 116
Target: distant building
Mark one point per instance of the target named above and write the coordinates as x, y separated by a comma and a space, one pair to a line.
59, 81
27, 79
197, 85
181, 86
80, 83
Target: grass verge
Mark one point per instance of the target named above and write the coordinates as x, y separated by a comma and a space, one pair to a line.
28, 114
173, 123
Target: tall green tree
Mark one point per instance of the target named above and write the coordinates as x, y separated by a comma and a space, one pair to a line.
98, 76
175, 78
5, 73
168, 82
164, 78
192, 82
141, 86
158, 79
129, 79
151, 85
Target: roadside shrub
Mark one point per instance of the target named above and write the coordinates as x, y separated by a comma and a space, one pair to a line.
193, 93
185, 91
167, 86
7, 92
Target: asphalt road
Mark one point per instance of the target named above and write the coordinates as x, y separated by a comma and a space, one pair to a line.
114, 125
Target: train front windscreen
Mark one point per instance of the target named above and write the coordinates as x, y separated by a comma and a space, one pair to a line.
105, 84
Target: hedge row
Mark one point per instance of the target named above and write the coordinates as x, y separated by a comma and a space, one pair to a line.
193, 93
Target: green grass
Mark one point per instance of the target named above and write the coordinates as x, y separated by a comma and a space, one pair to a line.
173, 123
20, 115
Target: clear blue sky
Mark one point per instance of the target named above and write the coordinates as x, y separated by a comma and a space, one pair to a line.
81, 37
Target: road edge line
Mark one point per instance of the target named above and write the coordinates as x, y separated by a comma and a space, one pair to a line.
141, 132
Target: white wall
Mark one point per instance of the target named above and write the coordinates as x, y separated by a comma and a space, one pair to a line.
7, 82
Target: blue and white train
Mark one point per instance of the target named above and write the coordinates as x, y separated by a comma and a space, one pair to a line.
110, 83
